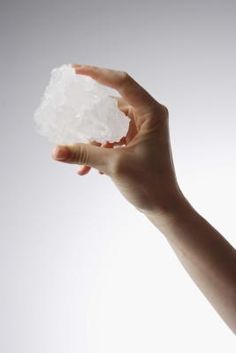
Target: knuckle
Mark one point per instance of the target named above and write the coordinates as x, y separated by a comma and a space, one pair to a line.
125, 74
124, 77
165, 110
161, 111
80, 154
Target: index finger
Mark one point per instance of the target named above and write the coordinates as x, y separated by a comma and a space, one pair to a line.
128, 88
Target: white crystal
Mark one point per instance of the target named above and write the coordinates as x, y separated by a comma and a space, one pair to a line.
76, 108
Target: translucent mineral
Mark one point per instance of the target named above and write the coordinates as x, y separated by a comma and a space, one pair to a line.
76, 108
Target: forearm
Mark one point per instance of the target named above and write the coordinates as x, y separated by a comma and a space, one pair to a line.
206, 255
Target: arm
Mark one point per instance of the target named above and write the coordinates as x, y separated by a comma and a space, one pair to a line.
205, 254
142, 169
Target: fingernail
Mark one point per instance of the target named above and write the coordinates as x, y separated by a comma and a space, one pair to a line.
61, 153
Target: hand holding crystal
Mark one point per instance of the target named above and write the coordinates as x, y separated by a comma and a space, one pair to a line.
140, 164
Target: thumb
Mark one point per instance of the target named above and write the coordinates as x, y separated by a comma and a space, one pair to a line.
86, 154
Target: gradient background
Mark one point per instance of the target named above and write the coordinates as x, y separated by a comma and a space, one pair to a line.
80, 269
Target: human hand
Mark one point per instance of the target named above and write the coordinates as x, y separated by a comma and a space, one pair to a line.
141, 165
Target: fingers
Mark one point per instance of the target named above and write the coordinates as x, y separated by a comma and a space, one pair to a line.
126, 108
107, 145
85, 169
85, 154
132, 131
128, 88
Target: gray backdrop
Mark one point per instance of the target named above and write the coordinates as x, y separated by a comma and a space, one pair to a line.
80, 269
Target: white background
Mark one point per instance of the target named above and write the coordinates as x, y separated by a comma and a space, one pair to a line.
80, 269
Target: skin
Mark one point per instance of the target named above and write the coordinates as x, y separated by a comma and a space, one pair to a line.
142, 168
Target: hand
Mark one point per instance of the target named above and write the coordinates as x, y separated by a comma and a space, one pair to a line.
141, 166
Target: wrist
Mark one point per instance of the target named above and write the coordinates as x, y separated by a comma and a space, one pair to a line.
172, 208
